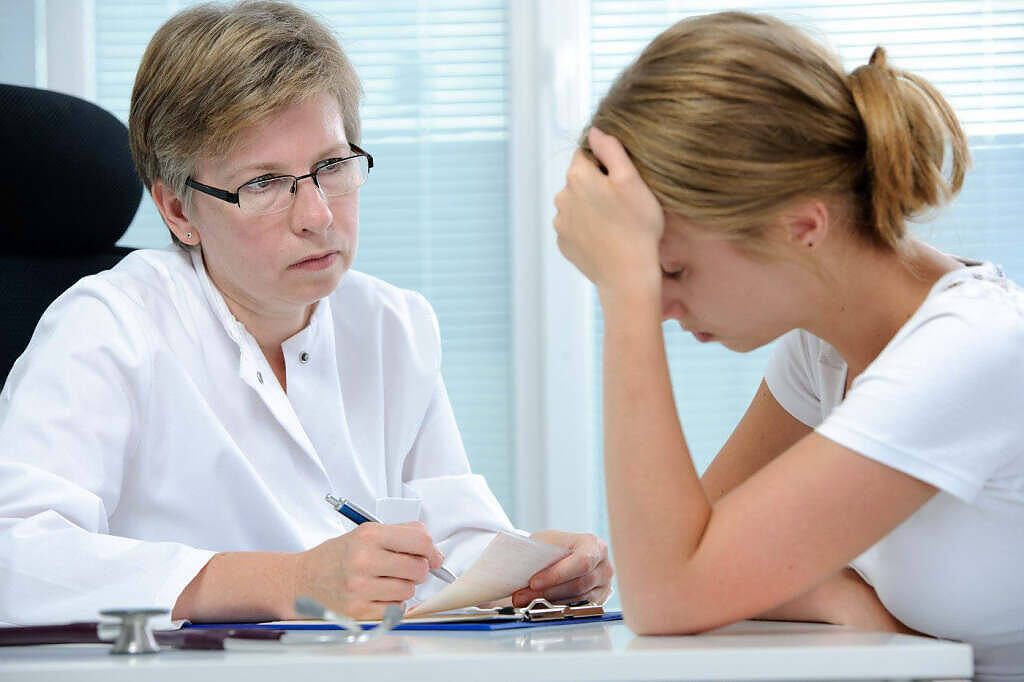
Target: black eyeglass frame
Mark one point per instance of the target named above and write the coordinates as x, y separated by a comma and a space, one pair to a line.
232, 197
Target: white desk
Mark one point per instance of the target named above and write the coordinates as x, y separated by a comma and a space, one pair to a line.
600, 651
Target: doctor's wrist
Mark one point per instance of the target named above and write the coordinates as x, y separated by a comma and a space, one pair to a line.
240, 586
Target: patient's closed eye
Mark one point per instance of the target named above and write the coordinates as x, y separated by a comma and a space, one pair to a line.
672, 273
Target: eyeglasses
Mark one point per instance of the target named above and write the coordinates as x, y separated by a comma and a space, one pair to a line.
275, 193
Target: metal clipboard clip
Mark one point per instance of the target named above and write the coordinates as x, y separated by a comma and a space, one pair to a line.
541, 609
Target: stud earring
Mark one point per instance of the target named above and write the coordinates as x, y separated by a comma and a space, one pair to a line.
188, 235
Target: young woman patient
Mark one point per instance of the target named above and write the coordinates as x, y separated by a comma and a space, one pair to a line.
737, 180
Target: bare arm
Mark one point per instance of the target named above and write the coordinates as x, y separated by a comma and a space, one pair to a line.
358, 574
843, 599
240, 586
785, 530
765, 431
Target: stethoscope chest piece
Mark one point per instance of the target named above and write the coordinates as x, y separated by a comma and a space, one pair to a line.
134, 634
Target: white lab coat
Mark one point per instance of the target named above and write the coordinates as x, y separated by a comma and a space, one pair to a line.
143, 430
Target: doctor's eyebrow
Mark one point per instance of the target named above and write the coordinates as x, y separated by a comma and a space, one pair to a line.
340, 149
251, 171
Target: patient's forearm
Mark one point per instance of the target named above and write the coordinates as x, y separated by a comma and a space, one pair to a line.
807, 608
844, 599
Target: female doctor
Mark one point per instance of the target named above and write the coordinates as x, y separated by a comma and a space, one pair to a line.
171, 430
755, 190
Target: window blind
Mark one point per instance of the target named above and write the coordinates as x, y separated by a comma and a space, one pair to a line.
434, 213
972, 51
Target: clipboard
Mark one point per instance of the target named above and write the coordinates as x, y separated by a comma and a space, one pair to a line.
538, 613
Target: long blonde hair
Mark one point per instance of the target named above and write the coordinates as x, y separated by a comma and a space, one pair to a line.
729, 116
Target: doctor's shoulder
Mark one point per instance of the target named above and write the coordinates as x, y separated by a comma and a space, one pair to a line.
108, 311
96, 337
400, 319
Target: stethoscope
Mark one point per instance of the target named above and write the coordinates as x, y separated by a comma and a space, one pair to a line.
130, 633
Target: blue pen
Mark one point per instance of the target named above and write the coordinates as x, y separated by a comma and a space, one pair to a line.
357, 515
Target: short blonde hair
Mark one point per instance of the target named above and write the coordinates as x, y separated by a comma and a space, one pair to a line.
730, 116
214, 70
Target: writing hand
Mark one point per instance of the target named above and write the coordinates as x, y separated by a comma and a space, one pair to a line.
362, 572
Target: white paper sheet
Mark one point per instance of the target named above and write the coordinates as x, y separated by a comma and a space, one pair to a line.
506, 565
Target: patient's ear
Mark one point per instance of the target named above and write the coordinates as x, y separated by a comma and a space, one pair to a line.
173, 213
806, 224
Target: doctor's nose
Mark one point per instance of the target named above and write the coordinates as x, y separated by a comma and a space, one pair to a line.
310, 209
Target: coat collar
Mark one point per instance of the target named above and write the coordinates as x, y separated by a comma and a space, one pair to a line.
253, 368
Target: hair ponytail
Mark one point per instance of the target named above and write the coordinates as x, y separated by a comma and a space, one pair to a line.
907, 123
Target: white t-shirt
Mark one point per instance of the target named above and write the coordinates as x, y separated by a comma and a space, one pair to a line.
943, 402
143, 429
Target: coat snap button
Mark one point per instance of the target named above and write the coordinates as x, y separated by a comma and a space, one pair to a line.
303, 357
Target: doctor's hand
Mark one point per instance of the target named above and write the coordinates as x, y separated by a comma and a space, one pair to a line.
362, 572
585, 574
609, 226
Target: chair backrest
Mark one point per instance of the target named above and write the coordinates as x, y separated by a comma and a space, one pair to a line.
68, 191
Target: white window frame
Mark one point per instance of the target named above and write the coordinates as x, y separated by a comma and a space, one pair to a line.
66, 59
549, 54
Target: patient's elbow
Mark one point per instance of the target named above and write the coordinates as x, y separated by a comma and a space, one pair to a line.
660, 619
644, 624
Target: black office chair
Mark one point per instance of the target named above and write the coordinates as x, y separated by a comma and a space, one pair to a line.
68, 191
